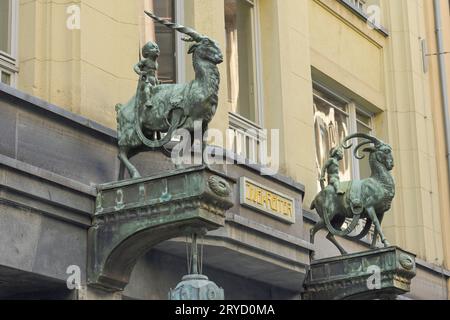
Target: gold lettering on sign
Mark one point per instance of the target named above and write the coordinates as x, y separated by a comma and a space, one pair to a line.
268, 201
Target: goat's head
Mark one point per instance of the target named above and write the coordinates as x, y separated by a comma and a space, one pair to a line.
206, 49
379, 150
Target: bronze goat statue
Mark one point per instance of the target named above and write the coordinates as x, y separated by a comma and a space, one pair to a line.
366, 199
148, 122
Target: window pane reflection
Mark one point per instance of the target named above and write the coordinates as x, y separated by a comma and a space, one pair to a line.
334, 120
5, 26
240, 51
331, 127
363, 127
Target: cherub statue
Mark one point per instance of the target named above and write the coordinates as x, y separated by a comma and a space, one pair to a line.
331, 169
148, 66
147, 70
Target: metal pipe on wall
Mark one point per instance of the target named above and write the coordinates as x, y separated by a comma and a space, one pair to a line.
443, 77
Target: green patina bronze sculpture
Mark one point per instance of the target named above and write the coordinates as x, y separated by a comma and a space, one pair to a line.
383, 273
132, 216
150, 119
366, 199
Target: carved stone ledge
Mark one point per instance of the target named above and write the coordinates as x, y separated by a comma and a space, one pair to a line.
355, 276
133, 216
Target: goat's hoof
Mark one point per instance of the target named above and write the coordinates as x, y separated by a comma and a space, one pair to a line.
386, 244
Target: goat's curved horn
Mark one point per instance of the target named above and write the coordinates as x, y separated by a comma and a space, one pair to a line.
177, 27
359, 146
362, 136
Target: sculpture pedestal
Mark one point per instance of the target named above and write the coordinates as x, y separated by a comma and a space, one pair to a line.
133, 216
377, 274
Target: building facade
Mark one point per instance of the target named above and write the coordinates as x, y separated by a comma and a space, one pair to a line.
315, 70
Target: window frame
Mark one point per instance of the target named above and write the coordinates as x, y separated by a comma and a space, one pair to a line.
258, 63
9, 62
357, 4
258, 66
362, 14
180, 45
351, 112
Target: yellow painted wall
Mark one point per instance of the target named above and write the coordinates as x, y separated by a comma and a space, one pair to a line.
415, 224
443, 189
346, 50
292, 112
87, 71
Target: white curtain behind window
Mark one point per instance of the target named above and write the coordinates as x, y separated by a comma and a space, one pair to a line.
239, 23
232, 54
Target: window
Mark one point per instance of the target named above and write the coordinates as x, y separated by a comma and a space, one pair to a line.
5, 26
164, 37
244, 81
358, 4
370, 11
8, 40
242, 58
6, 77
364, 125
335, 118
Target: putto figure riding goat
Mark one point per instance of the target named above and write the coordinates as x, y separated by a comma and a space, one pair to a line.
150, 119
366, 199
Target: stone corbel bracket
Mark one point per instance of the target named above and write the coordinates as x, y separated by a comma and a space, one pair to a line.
376, 274
133, 216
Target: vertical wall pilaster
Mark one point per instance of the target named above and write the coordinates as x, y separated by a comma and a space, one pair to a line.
415, 222
292, 112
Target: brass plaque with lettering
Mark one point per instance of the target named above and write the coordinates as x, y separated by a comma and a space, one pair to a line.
266, 200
